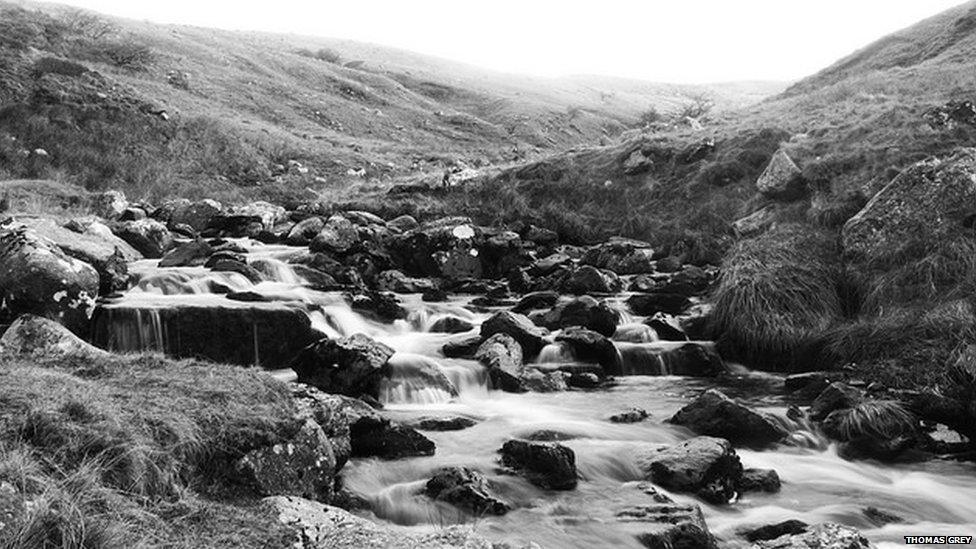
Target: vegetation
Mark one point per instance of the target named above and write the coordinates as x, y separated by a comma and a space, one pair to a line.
130, 451
875, 419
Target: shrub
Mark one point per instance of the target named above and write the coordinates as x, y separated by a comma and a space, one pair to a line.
648, 117
126, 53
777, 294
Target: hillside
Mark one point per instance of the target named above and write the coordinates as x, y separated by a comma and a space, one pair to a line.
91, 91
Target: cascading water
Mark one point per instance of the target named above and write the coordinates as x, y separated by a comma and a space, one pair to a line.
935, 497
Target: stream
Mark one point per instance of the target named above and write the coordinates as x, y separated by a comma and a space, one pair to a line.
933, 498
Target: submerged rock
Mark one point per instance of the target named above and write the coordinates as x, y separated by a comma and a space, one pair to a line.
715, 414
351, 366
466, 489
773, 531
452, 423
705, 466
667, 525
546, 464
820, 536
634, 415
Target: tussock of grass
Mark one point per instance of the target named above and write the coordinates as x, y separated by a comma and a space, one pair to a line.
877, 419
111, 452
778, 292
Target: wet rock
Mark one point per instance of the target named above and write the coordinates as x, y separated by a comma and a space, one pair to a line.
149, 237
584, 380
835, 397
925, 204
451, 325
715, 414
395, 281
338, 236
705, 466
536, 300
621, 256
669, 525
304, 231
549, 264
692, 359
37, 277
657, 302
227, 265
334, 414
548, 435
589, 346
667, 327
583, 311
773, 531
880, 517
781, 179
466, 489
403, 223
502, 355
374, 436
36, 336
633, 415
548, 465
820, 536
759, 480
231, 333
384, 307
538, 381
301, 466
351, 366
807, 384
689, 281
462, 347
410, 371
109, 204
590, 280
435, 295
519, 327
452, 423
187, 254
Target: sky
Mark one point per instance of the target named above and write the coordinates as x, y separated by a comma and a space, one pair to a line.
679, 41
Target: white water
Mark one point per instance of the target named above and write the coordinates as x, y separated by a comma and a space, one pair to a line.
934, 497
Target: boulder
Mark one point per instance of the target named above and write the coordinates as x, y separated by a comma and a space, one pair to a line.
450, 423
237, 218
396, 281
375, 436
502, 355
269, 335
755, 223
351, 366
705, 466
692, 359
781, 179
666, 327
689, 281
403, 223
591, 280
37, 277
536, 300
668, 525
835, 397
519, 327
384, 307
589, 346
148, 236
501, 253
539, 381
302, 233
633, 415
926, 204
36, 336
466, 489
218, 263
303, 466
188, 254
715, 414
549, 264
363, 219
650, 304
759, 480
109, 204
337, 236
319, 526
463, 347
621, 256
820, 536
548, 465
583, 311
450, 325
196, 215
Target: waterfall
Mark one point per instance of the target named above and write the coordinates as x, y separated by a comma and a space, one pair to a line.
556, 353
416, 379
131, 330
278, 271
635, 332
641, 359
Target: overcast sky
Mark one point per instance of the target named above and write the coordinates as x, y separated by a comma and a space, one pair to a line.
666, 41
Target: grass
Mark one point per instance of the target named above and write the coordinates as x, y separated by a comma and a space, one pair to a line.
130, 451
777, 294
876, 419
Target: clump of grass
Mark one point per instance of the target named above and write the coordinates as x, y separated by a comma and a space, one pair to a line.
778, 292
874, 419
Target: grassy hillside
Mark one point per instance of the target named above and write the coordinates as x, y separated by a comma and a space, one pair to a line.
239, 106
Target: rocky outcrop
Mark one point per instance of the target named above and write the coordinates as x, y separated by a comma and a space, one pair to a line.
924, 205
352, 366
548, 465
320, 526
303, 466
466, 489
781, 179
820, 536
37, 277
715, 414
705, 466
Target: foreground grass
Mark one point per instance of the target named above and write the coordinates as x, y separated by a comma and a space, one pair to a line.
129, 451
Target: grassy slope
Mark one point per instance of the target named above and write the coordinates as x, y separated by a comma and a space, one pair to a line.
254, 102
121, 452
